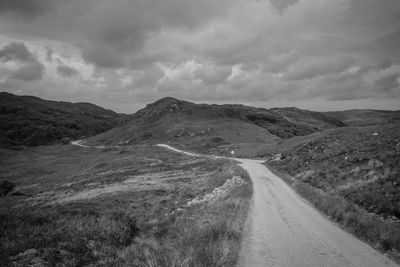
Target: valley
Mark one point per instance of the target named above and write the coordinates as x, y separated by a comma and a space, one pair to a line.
119, 206
182, 133
114, 197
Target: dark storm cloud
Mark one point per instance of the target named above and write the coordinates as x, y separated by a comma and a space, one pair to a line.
67, 71
387, 83
117, 31
16, 51
29, 72
104, 56
281, 5
110, 33
30, 69
23, 8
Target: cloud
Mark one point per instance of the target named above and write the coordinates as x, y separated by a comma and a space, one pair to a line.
16, 51
316, 67
134, 50
387, 47
281, 5
388, 83
212, 74
23, 8
340, 86
281, 62
384, 64
28, 68
67, 71
29, 72
49, 53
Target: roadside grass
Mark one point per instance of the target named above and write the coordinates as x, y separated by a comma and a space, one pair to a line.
153, 227
360, 164
382, 234
202, 235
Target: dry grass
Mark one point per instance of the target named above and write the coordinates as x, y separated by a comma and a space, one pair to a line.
73, 236
383, 234
202, 235
147, 227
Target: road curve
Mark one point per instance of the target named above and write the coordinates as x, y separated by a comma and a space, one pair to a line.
283, 230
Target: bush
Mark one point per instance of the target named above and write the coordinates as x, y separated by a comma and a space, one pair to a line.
6, 187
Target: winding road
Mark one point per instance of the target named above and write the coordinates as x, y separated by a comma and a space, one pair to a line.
283, 230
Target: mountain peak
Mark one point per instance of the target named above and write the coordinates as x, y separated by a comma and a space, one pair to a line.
167, 100
161, 107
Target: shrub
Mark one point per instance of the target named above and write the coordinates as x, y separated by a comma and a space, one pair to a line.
6, 187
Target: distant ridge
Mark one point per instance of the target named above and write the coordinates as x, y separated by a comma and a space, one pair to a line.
171, 119
366, 117
29, 120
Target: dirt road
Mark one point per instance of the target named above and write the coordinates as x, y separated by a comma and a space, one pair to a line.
282, 229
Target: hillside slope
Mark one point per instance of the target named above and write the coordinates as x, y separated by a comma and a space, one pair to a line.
317, 120
359, 164
28, 120
352, 175
365, 117
202, 125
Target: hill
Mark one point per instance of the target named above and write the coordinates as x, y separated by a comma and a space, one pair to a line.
365, 117
207, 126
28, 120
359, 164
319, 121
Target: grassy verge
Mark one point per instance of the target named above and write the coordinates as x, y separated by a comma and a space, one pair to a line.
382, 234
202, 235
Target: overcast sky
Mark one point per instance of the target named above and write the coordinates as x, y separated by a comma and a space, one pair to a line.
122, 54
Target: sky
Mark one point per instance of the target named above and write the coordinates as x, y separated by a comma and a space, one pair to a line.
122, 54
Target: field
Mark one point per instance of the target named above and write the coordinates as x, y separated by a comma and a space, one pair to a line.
130, 206
351, 174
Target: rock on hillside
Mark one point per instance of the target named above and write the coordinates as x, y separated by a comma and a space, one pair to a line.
28, 120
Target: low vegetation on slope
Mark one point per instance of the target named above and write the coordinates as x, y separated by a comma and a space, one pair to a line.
352, 174
206, 126
75, 206
366, 117
27, 120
